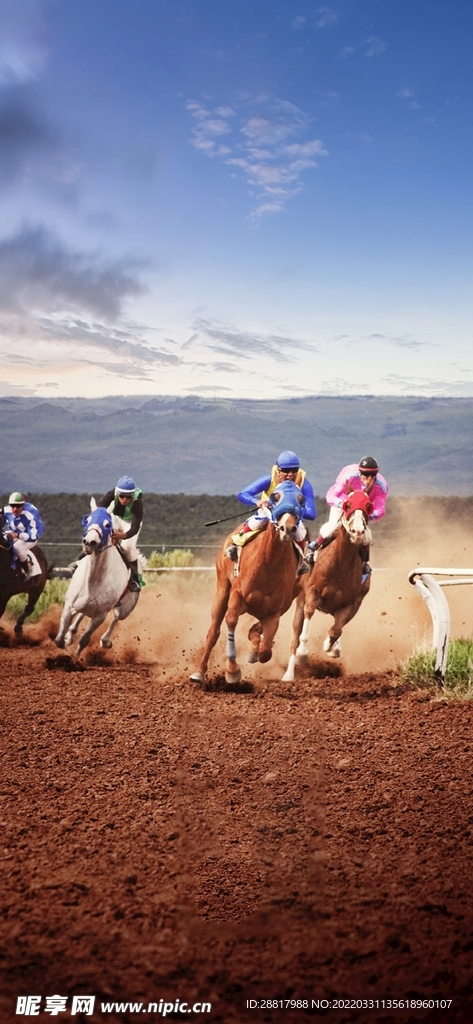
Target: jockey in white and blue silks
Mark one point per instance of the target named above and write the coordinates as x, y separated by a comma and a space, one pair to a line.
287, 467
23, 527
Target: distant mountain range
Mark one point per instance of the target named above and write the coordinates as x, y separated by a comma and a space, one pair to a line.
197, 446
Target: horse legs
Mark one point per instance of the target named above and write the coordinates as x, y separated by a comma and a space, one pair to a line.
254, 636
219, 608
270, 628
33, 596
297, 626
121, 611
234, 610
86, 636
64, 624
71, 632
332, 642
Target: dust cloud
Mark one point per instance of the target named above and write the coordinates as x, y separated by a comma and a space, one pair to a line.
168, 628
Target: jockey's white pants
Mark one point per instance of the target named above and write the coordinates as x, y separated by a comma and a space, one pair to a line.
257, 521
22, 547
333, 520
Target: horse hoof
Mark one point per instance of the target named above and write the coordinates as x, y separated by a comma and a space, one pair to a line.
18, 631
335, 653
59, 641
253, 657
303, 658
197, 677
264, 656
233, 677
106, 643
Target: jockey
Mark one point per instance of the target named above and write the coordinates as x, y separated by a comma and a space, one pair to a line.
24, 527
287, 467
364, 476
126, 500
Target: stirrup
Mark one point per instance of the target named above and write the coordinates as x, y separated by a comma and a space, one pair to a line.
232, 552
134, 585
302, 569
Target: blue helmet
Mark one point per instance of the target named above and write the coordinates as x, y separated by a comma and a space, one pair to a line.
125, 485
288, 460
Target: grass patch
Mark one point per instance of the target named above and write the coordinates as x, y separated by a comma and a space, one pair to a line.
53, 593
419, 669
178, 558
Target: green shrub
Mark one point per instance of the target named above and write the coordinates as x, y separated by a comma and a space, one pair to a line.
53, 593
419, 669
178, 558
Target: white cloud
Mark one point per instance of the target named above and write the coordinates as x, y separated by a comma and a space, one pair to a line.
298, 23
325, 16
267, 146
22, 53
374, 46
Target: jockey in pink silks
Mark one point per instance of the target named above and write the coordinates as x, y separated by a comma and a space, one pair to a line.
364, 476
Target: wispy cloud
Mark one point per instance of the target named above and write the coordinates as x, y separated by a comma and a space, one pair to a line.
22, 52
264, 140
38, 272
374, 47
407, 94
325, 16
298, 23
402, 341
246, 345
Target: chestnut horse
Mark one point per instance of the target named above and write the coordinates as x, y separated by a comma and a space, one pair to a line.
334, 585
13, 582
264, 585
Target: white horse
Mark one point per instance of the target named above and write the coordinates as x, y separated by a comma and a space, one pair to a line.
99, 583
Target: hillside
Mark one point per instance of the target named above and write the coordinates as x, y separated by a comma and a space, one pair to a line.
192, 446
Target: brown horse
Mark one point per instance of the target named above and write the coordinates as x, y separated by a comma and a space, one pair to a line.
335, 583
13, 582
264, 586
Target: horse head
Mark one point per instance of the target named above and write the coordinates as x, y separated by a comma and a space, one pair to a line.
97, 529
287, 507
357, 509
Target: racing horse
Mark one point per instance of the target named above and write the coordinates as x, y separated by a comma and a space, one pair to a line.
13, 582
264, 583
99, 583
335, 585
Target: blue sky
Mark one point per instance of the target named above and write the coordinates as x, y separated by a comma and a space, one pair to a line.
239, 198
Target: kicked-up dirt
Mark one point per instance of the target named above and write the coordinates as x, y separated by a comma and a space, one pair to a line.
267, 850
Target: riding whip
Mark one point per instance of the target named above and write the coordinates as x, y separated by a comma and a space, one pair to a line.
226, 518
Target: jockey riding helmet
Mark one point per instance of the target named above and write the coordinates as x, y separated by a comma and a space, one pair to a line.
287, 461
368, 466
16, 498
125, 486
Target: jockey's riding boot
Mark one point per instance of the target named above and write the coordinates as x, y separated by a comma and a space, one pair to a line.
25, 568
232, 552
134, 581
364, 555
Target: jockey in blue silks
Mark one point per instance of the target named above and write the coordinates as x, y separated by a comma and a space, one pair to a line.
287, 467
23, 527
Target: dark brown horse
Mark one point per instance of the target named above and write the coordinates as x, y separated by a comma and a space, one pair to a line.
264, 587
335, 584
13, 582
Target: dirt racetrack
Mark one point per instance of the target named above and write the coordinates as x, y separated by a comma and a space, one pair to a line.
288, 842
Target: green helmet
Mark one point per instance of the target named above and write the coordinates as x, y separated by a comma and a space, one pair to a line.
16, 498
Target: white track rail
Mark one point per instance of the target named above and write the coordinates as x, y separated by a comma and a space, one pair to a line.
431, 591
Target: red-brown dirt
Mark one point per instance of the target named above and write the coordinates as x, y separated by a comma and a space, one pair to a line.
289, 841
